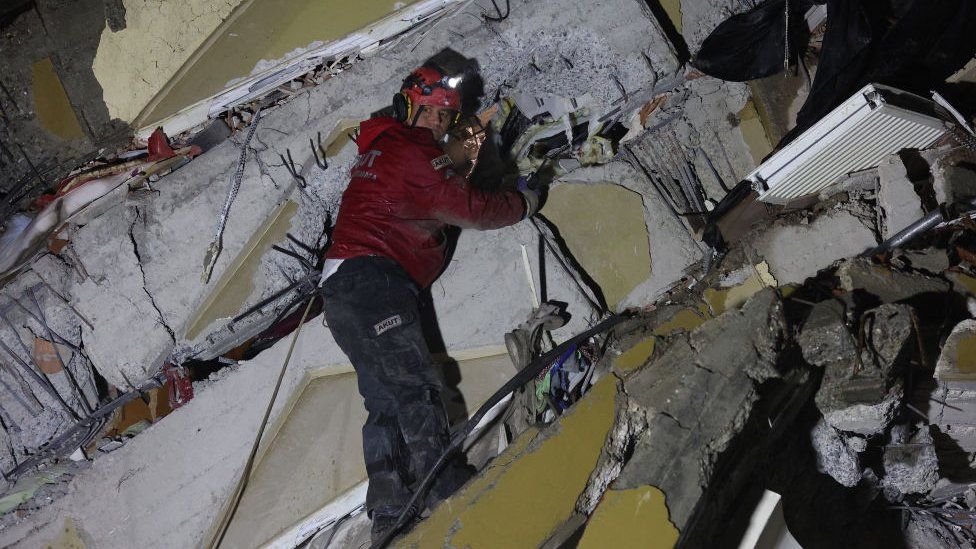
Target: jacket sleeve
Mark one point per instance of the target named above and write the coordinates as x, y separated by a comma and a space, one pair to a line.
452, 201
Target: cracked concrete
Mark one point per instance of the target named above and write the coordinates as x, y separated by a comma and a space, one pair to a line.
166, 247
142, 269
695, 407
142, 259
115, 300
697, 397
836, 233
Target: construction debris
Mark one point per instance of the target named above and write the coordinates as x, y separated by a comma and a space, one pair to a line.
812, 334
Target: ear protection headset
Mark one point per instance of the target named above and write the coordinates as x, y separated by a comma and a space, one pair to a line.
402, 106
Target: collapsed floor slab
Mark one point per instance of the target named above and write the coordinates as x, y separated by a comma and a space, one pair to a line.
697, 381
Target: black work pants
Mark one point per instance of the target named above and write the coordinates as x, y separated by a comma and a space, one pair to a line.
372, 310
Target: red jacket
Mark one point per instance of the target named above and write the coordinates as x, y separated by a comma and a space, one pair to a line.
403, 194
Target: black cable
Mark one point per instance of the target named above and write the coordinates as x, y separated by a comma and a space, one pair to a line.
500, 18
521, 378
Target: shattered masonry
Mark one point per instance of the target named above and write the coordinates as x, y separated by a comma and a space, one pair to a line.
788, 348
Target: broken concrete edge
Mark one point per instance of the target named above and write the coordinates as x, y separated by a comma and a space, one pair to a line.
167, 311
164, 307
629, 423
507, 487
365, 42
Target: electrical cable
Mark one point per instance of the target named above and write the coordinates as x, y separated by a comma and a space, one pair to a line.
501, 17
521, 378
594, 302
228, 515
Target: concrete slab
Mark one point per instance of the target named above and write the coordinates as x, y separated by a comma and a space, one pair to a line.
796, 251
523, 482
316, 454
899, 204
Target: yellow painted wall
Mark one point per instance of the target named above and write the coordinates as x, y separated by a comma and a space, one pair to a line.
134, 64
673, 9
51, 103
636, 518
530, 489
265, 30
754, 133
604, 227
635, 357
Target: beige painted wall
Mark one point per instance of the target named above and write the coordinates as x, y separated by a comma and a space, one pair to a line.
316, 455
132, 65
265, 30
142, 63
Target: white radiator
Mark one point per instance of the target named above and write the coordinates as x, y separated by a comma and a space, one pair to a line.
875, 122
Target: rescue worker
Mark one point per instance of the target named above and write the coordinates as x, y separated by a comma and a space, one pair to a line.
388, 245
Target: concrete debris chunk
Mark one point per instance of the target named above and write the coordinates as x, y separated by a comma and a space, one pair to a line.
899, 204
911, 467
825, 337
834, 456
833, 235
958, 359
930, 260
841, 409
859, 183
751, 337
955, 177
888, 329
697, 397
886, 284
863, 395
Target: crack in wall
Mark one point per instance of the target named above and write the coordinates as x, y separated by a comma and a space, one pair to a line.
142, 272
674, 419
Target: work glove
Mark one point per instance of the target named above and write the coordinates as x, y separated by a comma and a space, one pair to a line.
533, 190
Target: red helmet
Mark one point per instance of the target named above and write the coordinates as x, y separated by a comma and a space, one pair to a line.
430, 86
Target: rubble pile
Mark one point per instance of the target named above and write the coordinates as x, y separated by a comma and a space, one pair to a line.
850, 390
807, 335
892, 414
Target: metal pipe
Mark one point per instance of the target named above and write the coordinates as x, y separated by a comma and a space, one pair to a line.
916, 229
